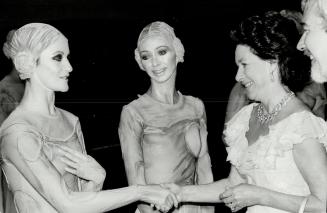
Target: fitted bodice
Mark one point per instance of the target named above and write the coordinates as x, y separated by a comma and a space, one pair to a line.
49, 133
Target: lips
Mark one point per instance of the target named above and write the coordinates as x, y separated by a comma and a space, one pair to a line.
65, 77
246, 85
159, 71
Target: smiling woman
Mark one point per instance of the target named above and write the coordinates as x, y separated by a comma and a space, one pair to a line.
163, 133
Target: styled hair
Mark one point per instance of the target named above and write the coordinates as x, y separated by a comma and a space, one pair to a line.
25, 45
273, 37
159, 28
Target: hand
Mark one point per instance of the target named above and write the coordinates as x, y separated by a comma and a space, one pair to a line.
174, 188
158, 197
240, 196
81, 165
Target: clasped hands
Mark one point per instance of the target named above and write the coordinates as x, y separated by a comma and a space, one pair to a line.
162, 197
236, 197
240, 196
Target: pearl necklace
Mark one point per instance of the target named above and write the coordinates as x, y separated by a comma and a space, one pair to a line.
265, 117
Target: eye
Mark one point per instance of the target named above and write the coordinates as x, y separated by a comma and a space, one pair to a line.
162, 52
244, 64
57, 57
144, 57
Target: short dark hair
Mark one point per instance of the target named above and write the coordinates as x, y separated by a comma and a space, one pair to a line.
272, 36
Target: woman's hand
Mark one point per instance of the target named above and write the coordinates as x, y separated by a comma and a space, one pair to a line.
240, 196
83, 166
174, 188
158, 197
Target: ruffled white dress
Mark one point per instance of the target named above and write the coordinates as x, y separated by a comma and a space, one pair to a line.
269, 161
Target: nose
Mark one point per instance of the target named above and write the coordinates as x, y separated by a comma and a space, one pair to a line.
300, 45
68, 67
154, 61
239, 74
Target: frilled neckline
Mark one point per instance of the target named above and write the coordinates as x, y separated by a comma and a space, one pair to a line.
271, 127
239, 148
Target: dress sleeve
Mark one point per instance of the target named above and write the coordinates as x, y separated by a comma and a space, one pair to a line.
234, 134
304, 126
130, 131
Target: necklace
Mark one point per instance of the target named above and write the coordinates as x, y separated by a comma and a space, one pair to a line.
265, 117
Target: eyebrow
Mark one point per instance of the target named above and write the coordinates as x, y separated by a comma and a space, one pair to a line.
165, 46
58, 52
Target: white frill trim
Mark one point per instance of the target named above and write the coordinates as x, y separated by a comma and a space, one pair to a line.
281, 138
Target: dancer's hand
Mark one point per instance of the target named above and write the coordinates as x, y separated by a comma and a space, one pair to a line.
81, 165
160, 198
174, 188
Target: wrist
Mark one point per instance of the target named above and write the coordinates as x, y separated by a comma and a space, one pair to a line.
140, 192
261, 198
184, 194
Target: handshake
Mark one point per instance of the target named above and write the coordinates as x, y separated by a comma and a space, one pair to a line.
165, 196
162, 197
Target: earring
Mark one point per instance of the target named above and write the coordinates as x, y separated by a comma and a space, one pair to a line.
272, 78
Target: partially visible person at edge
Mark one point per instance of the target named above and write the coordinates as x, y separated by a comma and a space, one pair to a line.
313, 95
276, 146
42, 151
11, 92
314, 39
163, 133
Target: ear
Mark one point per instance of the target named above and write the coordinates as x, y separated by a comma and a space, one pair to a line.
138, 59
274, 71
25, 64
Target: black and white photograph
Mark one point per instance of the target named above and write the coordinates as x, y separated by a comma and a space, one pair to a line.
163, 106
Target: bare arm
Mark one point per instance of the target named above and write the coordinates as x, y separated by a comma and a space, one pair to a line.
24, 151
206, 193
130, 140
315, 174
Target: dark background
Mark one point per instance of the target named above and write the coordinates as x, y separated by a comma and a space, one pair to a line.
102, 36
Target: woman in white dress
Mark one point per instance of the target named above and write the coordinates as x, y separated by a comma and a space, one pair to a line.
276, 146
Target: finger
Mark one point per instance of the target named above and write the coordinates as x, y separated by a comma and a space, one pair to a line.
70, 156
69, 162
73, 152
228, 200
226, 193
152, 205
71, 170
174, 200
169, 201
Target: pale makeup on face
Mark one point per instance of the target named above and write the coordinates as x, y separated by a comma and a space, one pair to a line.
158, 58
53, 68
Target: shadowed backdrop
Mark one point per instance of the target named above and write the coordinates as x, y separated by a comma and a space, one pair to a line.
102, 37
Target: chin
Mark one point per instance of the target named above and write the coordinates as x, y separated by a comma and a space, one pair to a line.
64, 89
318, 74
